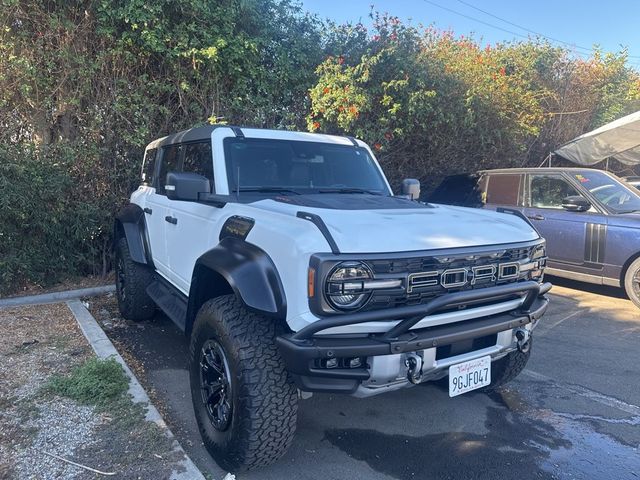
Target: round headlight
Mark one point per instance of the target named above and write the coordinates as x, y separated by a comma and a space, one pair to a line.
345, 285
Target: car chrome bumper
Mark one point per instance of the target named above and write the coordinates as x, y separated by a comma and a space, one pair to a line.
302, 350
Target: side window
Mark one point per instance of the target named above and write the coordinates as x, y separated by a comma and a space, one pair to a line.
548, 191
458, 190
148, 166
503, 189
198, 159
169, 163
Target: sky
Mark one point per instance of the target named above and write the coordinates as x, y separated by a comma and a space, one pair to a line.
581, 24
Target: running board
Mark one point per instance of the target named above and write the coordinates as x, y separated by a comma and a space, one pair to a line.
170, 301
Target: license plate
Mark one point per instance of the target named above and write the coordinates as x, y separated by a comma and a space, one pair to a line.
467, 376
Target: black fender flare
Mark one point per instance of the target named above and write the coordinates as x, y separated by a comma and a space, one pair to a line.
247, 269
131, 223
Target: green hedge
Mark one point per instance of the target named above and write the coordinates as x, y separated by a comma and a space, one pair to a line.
48, 229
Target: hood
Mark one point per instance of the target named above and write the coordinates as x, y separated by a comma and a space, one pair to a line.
406, 226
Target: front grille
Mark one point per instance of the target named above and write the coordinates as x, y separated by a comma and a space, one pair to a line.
422, 264
421, 294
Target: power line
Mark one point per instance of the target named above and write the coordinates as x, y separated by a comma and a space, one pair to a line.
523, 28
469, 17
476, 19
590, 50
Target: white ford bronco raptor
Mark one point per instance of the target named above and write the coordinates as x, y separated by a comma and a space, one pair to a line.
291, 267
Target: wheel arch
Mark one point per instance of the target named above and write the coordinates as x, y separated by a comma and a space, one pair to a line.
237, 267
625, 267
130, 223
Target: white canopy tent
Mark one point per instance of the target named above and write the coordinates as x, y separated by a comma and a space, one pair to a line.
619, 139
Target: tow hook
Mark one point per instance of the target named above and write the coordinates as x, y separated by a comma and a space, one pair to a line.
413, 363
522, 337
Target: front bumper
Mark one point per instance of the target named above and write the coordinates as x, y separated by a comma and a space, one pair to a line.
303, 351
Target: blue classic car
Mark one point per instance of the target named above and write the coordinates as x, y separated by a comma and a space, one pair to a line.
590, 218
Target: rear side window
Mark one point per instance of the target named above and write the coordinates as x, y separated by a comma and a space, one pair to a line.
169, 163
548, 191
198, 159
503, 189
463, 190
148, 166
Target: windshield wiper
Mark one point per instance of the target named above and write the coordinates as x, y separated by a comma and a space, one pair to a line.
266, 190
348, 190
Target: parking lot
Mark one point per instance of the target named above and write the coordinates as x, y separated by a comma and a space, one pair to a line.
573, 413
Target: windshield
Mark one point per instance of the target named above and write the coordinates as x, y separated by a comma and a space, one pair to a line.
289, 166
610, 192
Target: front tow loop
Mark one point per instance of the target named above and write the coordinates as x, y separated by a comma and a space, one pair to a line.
413, 363
522, 338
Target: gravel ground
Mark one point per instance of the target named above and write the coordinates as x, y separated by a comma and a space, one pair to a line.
62, 427
37, 343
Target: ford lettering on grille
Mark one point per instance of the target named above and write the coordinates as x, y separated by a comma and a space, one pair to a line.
461, 276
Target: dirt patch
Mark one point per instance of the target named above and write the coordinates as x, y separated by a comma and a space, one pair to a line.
52, 400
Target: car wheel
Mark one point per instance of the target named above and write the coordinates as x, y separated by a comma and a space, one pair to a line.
508, 367
244, 401
632, 282
132, 280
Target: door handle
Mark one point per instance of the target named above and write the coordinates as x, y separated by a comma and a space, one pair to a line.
171, 219
147, 210
535, 217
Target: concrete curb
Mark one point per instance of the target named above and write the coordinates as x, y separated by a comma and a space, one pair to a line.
105, 349
56, 297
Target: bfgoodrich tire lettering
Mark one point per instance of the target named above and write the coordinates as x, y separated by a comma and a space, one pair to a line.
132, 280
632, 282
263, 399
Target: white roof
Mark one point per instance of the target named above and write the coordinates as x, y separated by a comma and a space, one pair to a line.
619, 139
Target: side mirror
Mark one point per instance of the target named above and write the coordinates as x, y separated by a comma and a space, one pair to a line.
186, 186
576, 203
411, 188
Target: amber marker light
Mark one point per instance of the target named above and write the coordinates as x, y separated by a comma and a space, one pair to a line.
311, 282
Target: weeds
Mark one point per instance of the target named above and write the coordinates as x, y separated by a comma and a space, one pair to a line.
95, 382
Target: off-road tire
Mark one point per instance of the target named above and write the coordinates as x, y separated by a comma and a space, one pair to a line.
508, 367
632, 282
263, 398
132, 280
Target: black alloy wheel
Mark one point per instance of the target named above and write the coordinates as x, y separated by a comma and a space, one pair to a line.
215, 385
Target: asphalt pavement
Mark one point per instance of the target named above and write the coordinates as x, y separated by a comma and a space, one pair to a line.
574, 413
